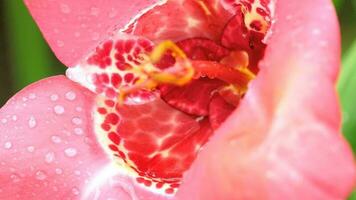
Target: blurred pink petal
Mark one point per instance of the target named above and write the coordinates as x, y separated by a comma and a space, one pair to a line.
74, 28
49, 151
284, 141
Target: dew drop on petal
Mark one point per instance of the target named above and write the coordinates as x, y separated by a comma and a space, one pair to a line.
77, 121
94, 11
65, 8
79, 109
50, 156
41, 175
4, 121
32, 96
70, 96
54, 97
32, 122
56, 139
70, 152
7, 145
15, 178
60, 43
95, 36
75, 191
78, 131
77, 172
77, 34
30, 149
58, 171
112, 13
14, 118
58, 109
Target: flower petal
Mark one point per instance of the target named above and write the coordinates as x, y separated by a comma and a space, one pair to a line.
283, 142
49, 151
73, 28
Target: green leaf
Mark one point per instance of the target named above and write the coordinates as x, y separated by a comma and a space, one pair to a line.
31, 58
352, 196
338, 4
347, 91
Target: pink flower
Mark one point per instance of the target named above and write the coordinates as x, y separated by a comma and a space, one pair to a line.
67, 138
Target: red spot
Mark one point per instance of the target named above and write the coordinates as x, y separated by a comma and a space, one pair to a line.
114, 138
128, 77
159, 185
116, 80
113, 147
102, 111
140, 179
169, 191
101, 57
105, 127
110, 103
112, 118
147, 183
176, 185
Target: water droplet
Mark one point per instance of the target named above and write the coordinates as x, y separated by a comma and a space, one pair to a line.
30, 149
32, 122
15, 178
49, 158
75, 191
59, 109
70, 96
65, 8
94, 11
60, 43
95, 36
77, 121
77, 34
78, 131
4, 121
79, 109
41, 175
56, 139
24, 99
54, 97
7, 145
316, 31
112, 13
14, 118
58, 171
70, 152
32, 96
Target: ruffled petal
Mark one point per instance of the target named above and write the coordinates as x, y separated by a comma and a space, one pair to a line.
74, 28
49, 150
284, 141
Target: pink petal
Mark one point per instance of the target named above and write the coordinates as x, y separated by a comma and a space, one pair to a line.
49, 151
284, 140
73, 28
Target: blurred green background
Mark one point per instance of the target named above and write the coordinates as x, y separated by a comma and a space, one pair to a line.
25, 57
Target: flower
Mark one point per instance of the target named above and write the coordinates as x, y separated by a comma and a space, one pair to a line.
282, 142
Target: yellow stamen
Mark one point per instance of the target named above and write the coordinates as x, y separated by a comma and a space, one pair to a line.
247, 72
151, 76
204, 7
163, 47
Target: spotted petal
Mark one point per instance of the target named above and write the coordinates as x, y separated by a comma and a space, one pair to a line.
74, 28
284, 141
49, 151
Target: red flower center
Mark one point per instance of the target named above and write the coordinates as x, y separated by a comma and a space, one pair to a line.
163, 101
